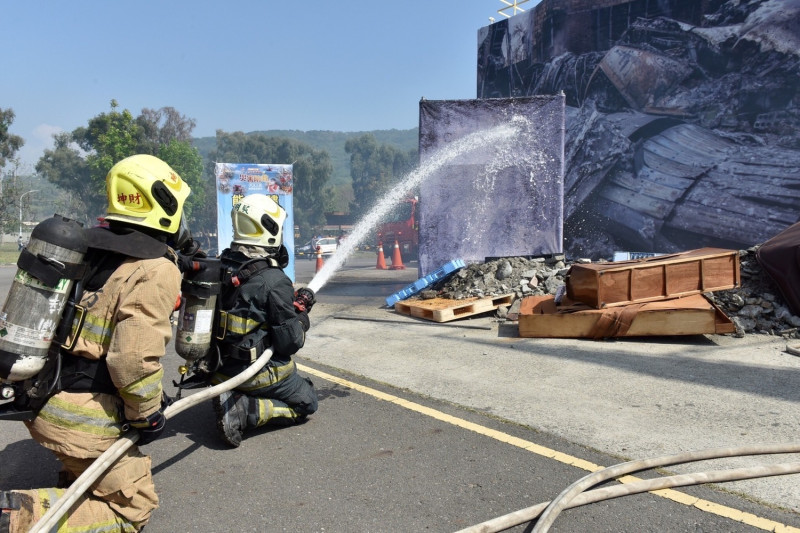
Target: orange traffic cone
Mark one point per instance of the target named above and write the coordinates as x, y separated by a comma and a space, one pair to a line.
319, 260
397, 261
381, 259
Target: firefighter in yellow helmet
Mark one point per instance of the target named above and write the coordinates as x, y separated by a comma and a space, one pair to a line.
111, 378
262, 310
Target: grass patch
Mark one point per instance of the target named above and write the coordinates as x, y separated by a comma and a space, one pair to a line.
8, 253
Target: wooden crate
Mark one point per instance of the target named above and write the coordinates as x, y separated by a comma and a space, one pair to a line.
539, 316
445, 309
601, 285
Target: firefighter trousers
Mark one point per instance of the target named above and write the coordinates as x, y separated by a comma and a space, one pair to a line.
122, 500
279, 395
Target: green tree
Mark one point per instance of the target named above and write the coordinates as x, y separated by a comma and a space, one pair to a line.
158, 127
186, 161
108, 138
65, 167
9, 143
9, 193
311, 169
80, 160
374, 168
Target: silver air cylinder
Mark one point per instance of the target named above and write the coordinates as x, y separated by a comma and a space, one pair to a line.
199, 292
46, 271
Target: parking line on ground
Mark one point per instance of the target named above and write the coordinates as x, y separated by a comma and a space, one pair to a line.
670, 494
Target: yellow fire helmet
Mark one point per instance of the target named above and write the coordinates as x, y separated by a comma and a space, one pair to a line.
258, 220
144, 190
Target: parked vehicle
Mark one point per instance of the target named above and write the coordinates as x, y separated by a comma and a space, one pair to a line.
401, 224
304, 251
327, 246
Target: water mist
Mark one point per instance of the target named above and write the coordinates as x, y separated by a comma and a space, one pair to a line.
399, 191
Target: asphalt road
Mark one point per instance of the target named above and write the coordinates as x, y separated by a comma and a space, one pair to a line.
437, 427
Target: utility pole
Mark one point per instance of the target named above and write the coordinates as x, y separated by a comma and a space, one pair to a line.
20, 209
2, 222
13, 190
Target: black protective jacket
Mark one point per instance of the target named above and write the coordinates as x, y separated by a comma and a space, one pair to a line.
260, 313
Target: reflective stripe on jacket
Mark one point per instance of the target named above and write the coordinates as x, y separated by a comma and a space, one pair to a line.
239, 325
261, 310
128, 323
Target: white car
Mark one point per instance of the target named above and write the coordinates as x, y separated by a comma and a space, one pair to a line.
327, 245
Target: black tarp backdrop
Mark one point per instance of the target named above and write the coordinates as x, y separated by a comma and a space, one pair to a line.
780, 257
501, 199
682, 116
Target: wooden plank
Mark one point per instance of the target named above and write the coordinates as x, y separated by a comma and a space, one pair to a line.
601, 285
445, 309
692, 315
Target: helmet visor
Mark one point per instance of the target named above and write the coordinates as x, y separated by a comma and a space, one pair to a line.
182, 238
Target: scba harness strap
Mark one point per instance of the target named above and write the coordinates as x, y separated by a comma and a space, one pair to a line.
248, 270
236, 278
48, 270
79, 374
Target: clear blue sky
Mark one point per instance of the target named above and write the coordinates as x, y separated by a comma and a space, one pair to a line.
343, 65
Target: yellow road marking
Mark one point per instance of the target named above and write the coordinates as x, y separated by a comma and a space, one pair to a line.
670, 494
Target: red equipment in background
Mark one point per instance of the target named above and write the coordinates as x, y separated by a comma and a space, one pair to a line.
402, 224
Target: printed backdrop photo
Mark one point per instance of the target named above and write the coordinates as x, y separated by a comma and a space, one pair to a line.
502, 199
237, 180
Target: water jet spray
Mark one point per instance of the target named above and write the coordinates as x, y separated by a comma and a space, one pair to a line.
399, 191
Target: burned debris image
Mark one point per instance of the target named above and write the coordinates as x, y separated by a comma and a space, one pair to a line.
682, 116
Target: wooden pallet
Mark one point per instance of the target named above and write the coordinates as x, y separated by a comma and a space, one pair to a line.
445, 309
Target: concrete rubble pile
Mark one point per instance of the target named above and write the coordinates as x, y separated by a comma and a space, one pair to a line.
755, 307
518, 275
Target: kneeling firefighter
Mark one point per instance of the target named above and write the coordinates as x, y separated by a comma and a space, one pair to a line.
110, 374
258, 308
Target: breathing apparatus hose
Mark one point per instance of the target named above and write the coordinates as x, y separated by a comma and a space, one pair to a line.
574, 495
110, 456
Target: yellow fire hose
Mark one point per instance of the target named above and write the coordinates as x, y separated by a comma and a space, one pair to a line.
110, 456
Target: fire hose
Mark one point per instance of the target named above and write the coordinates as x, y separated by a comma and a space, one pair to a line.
110, 456
574, 495
546, 512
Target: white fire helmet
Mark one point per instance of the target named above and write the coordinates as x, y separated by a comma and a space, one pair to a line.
258, 221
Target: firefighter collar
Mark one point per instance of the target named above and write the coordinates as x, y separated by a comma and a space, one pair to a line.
276, 257
127, 241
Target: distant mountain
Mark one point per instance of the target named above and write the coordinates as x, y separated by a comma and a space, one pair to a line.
330, 141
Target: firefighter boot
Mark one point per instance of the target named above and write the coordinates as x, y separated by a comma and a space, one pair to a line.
14, 501
232, 409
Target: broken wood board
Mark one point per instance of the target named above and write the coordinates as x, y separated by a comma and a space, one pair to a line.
445, 309
665, 277
539, 316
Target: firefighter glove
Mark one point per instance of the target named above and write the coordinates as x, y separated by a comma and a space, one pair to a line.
304, 299
302, 316
187, 263
150, 428
192, 247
